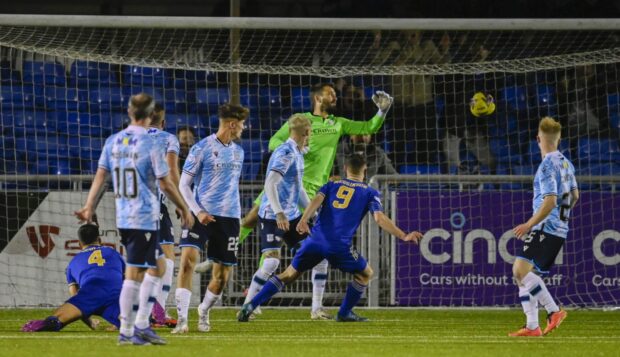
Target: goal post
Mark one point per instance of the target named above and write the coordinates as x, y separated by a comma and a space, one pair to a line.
65, 82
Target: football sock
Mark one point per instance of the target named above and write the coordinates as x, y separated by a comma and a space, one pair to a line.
354, 293
244, 233
182, 297
149, 290
319, 278
538, 290
271, 287
209, 300
128, 302
260, 277
52, 324
530, 307
166, 282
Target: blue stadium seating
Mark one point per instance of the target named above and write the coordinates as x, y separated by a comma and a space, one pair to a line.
91, 74
614, 121
43, 73
504, 151
65, 99
300, 99
420, 169
16, 97
8, 76
545, 100
254, 150
209, 99
189, 80
84, 124
250, 171
515, 97
613, 102
179, 101
105, 99
598, 150
144, 76
52, 166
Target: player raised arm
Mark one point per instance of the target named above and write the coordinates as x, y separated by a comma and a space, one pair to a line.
302, 226
383, 101
85, 214
388, 225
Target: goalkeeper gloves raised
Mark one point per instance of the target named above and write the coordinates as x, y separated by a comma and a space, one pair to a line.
382, 100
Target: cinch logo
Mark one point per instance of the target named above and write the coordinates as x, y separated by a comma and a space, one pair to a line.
43, 245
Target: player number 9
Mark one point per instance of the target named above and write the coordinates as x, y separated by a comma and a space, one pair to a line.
345, 194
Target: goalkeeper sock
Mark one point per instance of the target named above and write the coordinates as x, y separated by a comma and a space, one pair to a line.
530, 308
166, 282
182, 297
244, 233
273, 286
354, 293
148, 295
260, 277
319, 278
536, 286
128, 302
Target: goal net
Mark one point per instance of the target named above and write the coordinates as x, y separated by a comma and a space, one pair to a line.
466, 180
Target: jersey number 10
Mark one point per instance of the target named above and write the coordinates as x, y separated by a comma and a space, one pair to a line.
128, 177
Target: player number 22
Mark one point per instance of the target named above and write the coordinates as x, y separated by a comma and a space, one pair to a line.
345, 194
96, 258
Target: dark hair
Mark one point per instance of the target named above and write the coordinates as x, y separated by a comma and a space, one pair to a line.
232, 111
141, 105
355, 163
186, 128
88, 234
317, 89
158, 114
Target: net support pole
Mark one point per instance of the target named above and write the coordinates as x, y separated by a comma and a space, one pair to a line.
235, 11
374, 260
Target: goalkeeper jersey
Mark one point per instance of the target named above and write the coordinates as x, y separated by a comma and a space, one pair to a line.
326, 133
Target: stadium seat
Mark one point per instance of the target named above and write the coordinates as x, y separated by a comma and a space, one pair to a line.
300, 99
515, 97
119, 121
189, 80
175, 121
65, 99
254, 150
250, 171
613, 102
144, 76
105, 99
614, 121
528, 170
179, 101
598, 150
90, 74
52, 166
16, 97
504, 151
209, 99
545, 100
269, 97
420, 169
43, 73
84, 124
8, 75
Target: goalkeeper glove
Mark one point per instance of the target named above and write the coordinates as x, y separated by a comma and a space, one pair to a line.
382, 100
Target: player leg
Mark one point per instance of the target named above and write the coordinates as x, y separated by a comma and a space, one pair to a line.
248, 223
166, 232
349, 260
306, 257
64, 315
520, 269
223, 246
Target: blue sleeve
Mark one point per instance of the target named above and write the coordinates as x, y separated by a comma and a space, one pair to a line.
104, 159
374, 201
326, 188
173, 145
282, 159
548, 180
70, 279
158, 160
193, 163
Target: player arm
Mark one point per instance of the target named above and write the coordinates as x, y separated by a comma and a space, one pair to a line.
73, 289
387, 225
185, 186
94, 195
368, 127
574, 197
279, 137
271, 190
304, 199
172, 159
314, 205
549, 203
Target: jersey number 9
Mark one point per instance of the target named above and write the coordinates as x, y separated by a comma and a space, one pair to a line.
344, 194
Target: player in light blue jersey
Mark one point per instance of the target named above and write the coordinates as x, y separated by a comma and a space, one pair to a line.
214, 167
137, 165
343, 204
95, 278
279, 210
171, 146
555, 194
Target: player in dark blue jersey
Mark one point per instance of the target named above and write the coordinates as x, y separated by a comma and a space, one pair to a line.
555, 194
95, 278
343, 205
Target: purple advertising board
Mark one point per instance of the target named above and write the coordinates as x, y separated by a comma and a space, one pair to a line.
465, 258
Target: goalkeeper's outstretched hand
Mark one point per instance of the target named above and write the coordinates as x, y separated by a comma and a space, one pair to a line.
382, 100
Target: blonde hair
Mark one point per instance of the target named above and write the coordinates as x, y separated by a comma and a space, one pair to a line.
549, 126
298, 122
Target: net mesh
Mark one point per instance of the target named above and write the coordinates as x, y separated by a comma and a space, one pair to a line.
64, 90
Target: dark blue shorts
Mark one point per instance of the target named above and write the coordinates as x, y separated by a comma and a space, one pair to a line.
540, 249
98, 301
142, 247
222, 235
166, 230
271, 237
344, 258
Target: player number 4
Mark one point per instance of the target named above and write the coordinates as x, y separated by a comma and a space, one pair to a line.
96, 258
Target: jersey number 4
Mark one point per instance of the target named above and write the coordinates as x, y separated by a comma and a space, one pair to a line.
96, 258
344, 195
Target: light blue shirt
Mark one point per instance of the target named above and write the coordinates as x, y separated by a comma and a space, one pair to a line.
288, 161
169, 142
135, 162
216, 169
555, 176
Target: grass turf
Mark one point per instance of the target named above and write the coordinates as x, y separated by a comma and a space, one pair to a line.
290, 332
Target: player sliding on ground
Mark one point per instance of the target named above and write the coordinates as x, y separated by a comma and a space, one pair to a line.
95, 278
279, 210
343, 204
555, 194
318, 161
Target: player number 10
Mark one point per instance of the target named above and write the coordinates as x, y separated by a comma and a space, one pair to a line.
345, 194
128, 176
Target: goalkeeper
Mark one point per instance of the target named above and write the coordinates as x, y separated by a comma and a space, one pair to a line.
318, 161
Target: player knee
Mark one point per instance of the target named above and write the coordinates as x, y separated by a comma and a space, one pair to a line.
364, 276
270, 264
518, 272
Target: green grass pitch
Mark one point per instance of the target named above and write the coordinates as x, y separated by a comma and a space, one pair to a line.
290, 332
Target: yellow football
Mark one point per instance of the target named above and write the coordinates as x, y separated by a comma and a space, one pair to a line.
481, 105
